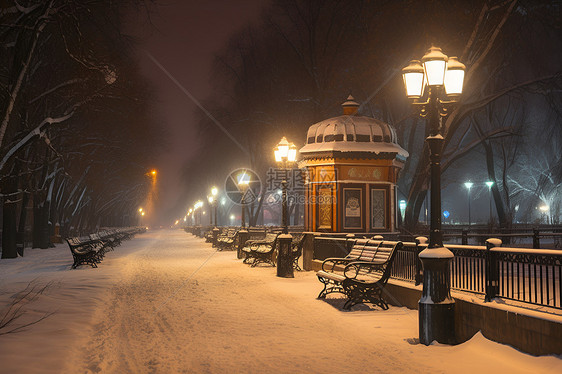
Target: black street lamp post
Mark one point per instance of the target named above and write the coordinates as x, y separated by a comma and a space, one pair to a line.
490, 184
243, 185
443, 77
243, 234
285, 154
210, 200
468, 186
213, 202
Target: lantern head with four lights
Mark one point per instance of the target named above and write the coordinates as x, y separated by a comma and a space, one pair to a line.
434, 70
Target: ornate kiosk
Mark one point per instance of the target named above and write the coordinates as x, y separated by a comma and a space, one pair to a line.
351, 164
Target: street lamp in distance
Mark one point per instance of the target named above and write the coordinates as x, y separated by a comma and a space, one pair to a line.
198, 204
243, 180
285, 155
213, 201
433, 85
468, 186
214, 195
490, 184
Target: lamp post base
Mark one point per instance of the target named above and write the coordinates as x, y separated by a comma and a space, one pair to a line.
284, 257
216, 232
437, 322
436, 307
243, 236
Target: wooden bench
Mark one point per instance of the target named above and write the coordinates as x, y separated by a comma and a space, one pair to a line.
361, 250
261, 250
227, 239
362, 275
84, 252
103, 241
208, 236
90, 250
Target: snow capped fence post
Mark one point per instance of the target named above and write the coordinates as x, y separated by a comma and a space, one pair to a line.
492, 270
464, 237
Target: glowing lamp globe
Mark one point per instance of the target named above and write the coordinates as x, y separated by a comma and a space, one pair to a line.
243, 179
434, 64
454, 77
414, 80
285, 151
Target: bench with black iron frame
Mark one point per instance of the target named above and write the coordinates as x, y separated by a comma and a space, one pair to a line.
261, 251
362, 279
296, 249
227, 239
84, 252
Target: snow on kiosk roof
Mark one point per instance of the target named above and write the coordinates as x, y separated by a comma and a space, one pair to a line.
352, 133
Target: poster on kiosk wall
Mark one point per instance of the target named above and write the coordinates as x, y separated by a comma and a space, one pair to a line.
352, 208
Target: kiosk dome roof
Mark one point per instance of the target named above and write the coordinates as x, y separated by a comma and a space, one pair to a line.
352, 133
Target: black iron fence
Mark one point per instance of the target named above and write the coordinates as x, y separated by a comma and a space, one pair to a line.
526, 275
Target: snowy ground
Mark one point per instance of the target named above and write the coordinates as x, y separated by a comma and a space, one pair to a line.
165, 302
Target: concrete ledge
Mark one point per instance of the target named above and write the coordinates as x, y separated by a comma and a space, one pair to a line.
534, 332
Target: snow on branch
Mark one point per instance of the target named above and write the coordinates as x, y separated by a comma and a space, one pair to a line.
37, 131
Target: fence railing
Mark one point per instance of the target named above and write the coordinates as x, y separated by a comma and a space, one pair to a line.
527, 275
550, 233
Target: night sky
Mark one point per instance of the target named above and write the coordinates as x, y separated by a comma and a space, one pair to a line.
184, 38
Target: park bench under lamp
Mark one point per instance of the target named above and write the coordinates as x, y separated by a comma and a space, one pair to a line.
434, 65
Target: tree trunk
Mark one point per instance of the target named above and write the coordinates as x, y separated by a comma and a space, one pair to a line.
20, 238
416, 199
500, 208
417, 192
9, 228
296, 214
9, 224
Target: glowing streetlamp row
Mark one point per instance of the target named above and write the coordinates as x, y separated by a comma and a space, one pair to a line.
285, 152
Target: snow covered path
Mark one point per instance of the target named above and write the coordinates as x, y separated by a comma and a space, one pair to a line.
165, 302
